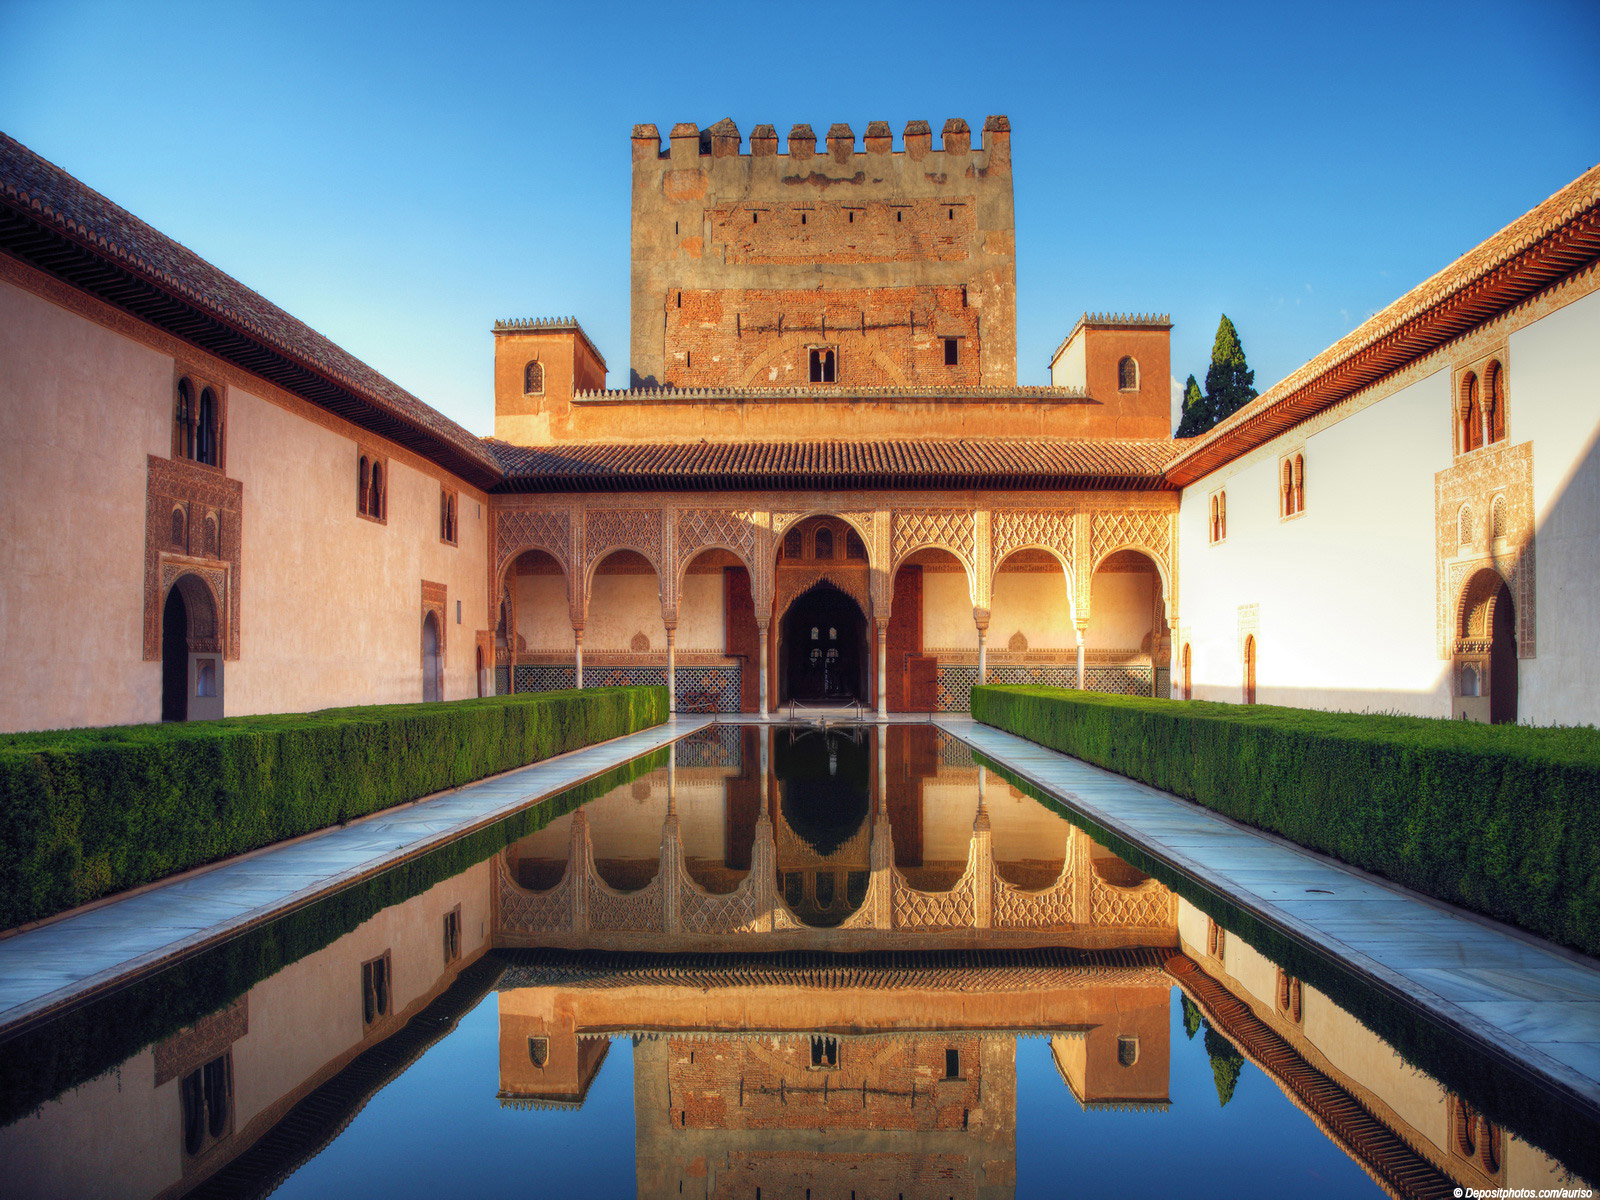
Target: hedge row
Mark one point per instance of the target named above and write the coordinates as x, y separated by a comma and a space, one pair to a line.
1502, 819
87, 812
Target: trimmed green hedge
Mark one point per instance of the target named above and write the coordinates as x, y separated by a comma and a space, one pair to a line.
1502, 819
87, 812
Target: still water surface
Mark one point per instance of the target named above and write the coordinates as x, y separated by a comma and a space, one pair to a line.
769, 963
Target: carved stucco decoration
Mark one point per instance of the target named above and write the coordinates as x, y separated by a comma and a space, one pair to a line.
517, 530
1478, 479
609, 529
951, 529
703, 528
210, 501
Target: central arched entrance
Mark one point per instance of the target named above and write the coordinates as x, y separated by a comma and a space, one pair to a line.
191, 653
822, 648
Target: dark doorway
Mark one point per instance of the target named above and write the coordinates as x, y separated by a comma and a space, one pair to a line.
1503, 660
431, 665
824, 647
174, 658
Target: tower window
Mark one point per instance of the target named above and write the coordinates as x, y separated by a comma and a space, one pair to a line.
952, 351
533, 379
824, 366
952, 1063
1128, 374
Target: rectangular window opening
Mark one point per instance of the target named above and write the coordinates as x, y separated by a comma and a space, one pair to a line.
952, 1063
952, 351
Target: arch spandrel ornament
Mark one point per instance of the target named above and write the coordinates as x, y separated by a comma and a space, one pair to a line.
1146, 529
517, 530
733, 530
608, 529
952, 529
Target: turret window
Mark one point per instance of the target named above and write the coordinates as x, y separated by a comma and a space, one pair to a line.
824, 365
533, 379
1128, 375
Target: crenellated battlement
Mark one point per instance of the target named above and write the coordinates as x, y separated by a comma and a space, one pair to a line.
1117, 318
723, 140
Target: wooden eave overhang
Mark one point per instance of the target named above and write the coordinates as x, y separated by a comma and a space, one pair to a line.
1553, 242
99, 263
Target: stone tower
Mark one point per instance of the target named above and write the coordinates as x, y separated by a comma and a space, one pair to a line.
863, 268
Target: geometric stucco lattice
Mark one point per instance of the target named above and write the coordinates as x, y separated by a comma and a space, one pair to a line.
1143, 530
949, 529
523, 529
1015, 528
699, 528
1478, 479
608, 529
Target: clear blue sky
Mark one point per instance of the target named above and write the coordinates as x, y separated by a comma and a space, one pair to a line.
400, 175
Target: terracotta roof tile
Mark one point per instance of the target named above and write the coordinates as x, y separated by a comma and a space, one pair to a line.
57, 223
791, 465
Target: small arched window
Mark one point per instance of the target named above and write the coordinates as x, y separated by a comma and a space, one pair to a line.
1128, 374
1497, 519
213, 546
793, 544
1464, 526
183, 421
1299, 483
1494, 416
854, 547
179, 530
205, 449
1286, 489
1186, 658
533, 379
450, 517
1219, 516
824, 542
1127, 1051
379, 500
364, 486
1470, 413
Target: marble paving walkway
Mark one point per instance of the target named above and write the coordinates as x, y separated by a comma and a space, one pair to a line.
1538, 1003
60, 962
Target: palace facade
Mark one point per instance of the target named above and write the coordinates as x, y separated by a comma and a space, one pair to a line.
823, 483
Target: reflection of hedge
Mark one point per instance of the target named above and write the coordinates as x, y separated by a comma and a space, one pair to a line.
1497, 818
1501, 1091
44, 1061
86, 812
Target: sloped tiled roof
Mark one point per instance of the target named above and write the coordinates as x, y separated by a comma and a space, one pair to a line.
717, 466
56, 223
1535, 252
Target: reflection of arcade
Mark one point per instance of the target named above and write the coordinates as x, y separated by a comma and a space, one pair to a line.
895, 1078
859, 846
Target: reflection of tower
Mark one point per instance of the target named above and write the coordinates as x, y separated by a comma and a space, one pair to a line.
921, 1114
1122, 1063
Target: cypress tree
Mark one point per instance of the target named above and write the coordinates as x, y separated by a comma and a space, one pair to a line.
1229, 381
1226, 1063
1194, 411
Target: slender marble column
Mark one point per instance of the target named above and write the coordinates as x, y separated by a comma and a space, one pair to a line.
983, 655
672, 671
1082, 683
762, 629
577, 657
883, 670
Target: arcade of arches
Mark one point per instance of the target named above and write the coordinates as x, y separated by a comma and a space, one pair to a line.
898, 609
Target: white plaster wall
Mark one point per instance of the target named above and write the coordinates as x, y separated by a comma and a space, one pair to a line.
1035, 604
82, 407
1553, 399
331, 610
1121, 610
621, 606
701, 613
1346, 589
947, 622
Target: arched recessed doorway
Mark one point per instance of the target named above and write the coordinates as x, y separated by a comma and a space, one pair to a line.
191, 653
1250, 669
1485, 651
432, 660
822, 649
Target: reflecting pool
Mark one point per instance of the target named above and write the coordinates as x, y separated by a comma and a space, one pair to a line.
771, 962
